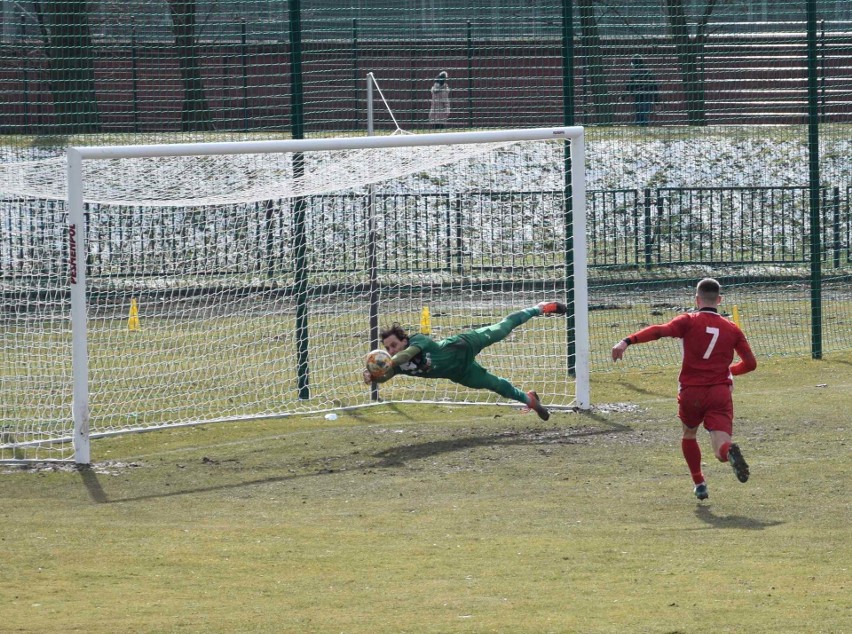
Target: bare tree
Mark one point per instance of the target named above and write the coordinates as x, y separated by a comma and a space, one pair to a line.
195, 111
689, 49
590, 43
67, 38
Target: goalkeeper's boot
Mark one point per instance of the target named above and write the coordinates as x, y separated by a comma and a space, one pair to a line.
735, 457
552, 308
701, 491
535, 405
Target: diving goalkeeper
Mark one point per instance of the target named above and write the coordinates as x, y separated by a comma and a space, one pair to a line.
454, 358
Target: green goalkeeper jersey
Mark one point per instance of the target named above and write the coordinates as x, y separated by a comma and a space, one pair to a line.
454, 358
424, 357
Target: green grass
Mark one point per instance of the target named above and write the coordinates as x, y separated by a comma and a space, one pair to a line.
449, 519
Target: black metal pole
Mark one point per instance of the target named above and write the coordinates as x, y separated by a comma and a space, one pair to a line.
648, 236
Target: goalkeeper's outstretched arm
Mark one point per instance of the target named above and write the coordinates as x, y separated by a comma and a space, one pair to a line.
380, 378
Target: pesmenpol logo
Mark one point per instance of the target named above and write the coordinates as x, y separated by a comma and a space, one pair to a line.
72, 253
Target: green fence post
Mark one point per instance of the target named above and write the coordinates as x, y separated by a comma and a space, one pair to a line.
134, 70
822, 69
297, 98
355, 74
459, 250
244, 64
814, 184
270, 258
469, 74
568, 120
373, 274
25, 73
300, 265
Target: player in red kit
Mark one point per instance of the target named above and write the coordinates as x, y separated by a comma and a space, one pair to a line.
705, 381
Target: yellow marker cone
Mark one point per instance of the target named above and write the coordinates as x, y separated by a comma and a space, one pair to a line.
133, 319
425, 321
735, 316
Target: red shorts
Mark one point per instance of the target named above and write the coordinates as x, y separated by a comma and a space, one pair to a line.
711, 405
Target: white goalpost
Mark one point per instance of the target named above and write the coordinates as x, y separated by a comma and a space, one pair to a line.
225, 281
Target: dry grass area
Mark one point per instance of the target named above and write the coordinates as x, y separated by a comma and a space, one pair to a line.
449, 519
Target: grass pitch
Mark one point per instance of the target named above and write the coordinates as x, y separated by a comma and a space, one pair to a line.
450, 519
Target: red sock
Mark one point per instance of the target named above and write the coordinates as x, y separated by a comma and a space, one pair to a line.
723, 451
692, 453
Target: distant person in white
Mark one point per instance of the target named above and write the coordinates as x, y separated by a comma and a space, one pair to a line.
439, 112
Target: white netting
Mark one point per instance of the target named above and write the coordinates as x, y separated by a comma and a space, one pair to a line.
215, 180
201, 307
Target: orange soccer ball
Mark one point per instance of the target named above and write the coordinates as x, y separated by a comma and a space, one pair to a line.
378, 361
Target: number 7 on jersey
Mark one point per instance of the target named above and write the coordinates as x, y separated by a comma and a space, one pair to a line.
715, 333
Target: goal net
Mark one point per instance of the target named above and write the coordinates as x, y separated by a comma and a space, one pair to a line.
165, 285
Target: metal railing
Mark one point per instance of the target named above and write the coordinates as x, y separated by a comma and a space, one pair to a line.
714, 225
458, 234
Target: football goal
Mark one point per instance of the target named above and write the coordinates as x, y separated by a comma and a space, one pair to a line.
163, 285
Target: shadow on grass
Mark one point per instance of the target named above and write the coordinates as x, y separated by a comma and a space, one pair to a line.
705, 514
641, 390
93, 485
218, 487
397, 456
388, 458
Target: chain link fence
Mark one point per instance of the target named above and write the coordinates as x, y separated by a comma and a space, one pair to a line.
718, 132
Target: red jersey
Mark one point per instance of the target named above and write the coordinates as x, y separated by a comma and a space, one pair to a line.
709, 343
